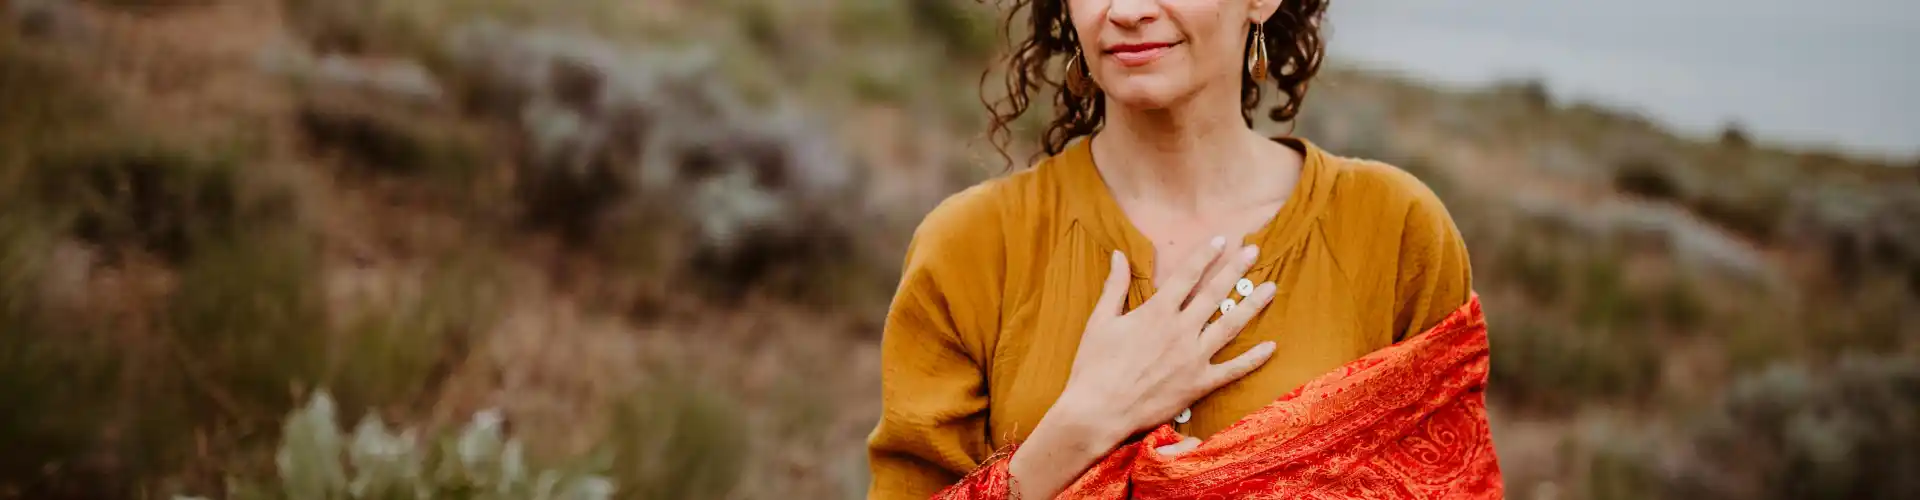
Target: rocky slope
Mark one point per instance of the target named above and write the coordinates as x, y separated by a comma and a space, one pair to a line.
666, 231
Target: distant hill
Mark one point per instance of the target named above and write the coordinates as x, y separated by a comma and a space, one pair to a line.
668, 230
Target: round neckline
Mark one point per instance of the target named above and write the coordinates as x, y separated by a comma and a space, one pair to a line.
1100, 212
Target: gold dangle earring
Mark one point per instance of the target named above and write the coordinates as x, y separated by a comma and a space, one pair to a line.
1257, 57
1079, 82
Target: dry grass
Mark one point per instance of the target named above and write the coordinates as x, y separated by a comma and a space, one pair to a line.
679, 439
767, 399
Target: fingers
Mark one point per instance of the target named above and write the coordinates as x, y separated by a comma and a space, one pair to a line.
1180, 284
1224, 373
1180, 448
1113, 296
1208, 297
1216, 335
1213, 269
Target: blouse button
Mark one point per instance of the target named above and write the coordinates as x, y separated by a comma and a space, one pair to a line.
1184, 416
1245, 287
1226, 306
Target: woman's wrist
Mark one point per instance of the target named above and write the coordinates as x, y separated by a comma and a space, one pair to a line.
1070, 438
1091, 427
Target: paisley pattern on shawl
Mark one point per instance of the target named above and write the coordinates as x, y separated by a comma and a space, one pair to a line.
1408, 421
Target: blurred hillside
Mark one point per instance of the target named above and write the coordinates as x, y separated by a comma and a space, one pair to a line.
659, 237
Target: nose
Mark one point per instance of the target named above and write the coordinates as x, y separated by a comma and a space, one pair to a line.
1133, 13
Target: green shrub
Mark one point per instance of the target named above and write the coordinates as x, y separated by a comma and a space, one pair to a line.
1755, 212
1563, 368
248, 315
56, 406
880, 83
317, 461
872, 21
1538, 269
151, 4
53, 371
1792, 432
1531, 93
397, 353
110, 382
1734, 136
1757, 340
247, 333
1878, 316
1649, 178
1681, 305
132, 192
960, 25
416, 28
250, 321
25, 242
677, 440
1615, 471
44, 99
360, 26
379, 139
1606, 300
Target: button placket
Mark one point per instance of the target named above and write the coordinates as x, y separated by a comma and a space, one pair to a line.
1243, 288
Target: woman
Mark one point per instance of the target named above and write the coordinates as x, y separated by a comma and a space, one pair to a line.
1254, 306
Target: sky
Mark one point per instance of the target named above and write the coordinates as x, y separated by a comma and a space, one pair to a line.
1835, 73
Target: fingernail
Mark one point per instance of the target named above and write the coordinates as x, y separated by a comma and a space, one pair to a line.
1218, 242
1250, 252
1267, 289
1265, 348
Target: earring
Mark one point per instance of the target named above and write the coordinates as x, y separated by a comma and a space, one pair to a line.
1257, 58
1079, 82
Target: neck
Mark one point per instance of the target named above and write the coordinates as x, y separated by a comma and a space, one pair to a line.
1188, 157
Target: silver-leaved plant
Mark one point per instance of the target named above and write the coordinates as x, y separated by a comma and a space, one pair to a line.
317, 462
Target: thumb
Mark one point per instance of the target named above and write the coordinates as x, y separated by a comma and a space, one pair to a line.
1177, 449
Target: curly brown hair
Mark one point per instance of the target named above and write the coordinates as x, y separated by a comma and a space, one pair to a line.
1294, 49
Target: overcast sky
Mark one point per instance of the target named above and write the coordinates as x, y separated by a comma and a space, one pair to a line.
1835, 72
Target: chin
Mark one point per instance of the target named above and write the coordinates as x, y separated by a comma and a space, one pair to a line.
1144, 95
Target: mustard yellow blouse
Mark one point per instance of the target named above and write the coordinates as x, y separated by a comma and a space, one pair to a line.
1000, 278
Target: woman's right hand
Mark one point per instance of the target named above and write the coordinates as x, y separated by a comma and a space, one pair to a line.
1135, 369
1140, 368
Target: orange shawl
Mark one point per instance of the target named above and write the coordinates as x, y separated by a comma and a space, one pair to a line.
1407, 421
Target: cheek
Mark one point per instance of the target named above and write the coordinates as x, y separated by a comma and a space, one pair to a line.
1215, 42
1204, 61
1086, 18
1224, 58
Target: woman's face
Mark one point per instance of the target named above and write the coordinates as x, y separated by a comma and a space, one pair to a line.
1154, 54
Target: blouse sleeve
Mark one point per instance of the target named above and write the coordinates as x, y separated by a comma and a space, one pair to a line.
1435, 276
938, 333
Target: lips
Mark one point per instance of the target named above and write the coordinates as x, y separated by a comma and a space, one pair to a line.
1138, 54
